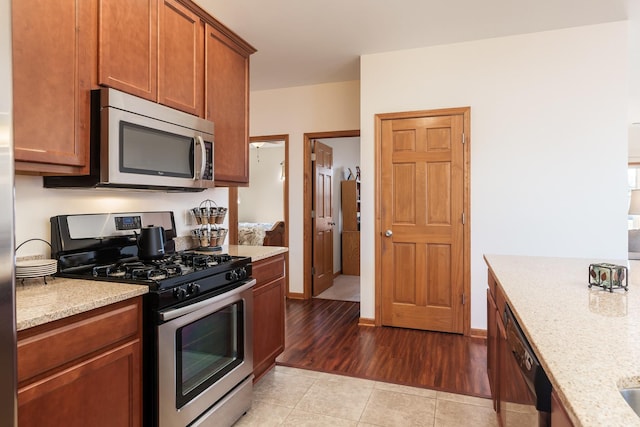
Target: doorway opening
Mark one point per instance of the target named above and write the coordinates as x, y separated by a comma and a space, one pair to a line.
309, 194
267, 220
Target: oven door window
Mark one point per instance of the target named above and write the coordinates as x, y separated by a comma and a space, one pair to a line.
207, 349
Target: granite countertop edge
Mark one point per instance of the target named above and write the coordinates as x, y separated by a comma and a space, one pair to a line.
38, 303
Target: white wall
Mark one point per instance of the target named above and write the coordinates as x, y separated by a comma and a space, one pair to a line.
296, 111
35, 205
346, 154
634, 83
263, 199
548, 141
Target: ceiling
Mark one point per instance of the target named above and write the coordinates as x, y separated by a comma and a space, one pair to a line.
303, 42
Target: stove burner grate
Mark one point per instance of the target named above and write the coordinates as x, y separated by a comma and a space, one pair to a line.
178, 264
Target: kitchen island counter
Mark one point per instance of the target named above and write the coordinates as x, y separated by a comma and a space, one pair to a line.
587, 340
38, 303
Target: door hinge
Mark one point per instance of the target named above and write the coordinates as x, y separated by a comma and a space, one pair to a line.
313, 214
313, 157
463, 218
464, 299
464, 139
313, 271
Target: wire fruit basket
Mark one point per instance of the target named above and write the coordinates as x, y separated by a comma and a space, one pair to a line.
210, 236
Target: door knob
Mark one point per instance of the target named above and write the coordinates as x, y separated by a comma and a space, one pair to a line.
388, 233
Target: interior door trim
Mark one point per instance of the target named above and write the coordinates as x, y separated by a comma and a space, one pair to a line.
379, 118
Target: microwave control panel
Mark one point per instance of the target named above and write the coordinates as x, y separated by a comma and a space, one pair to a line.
208, 169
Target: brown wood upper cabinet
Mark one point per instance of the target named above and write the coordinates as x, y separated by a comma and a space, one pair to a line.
128, 46
181, 58
52, 73
227, 105
153, 49
196, 65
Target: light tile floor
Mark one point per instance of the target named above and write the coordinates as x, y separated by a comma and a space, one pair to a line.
296, 397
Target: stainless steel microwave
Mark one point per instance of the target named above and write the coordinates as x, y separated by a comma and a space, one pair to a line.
138, 144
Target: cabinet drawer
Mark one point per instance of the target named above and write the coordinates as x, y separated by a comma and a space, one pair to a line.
46, 347
267, 270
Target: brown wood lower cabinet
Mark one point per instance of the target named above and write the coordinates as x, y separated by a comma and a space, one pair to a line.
268, 314
504, 377
559, 416
83, 370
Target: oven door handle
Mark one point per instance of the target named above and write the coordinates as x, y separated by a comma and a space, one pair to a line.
177, 312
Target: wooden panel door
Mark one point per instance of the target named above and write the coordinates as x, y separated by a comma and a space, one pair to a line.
128, 46
227, 105
52, 73
422, 202
181, 58
323, 218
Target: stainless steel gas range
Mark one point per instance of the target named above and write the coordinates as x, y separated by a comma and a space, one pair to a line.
198, 326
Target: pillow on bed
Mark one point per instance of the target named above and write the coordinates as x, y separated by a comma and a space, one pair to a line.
252, 234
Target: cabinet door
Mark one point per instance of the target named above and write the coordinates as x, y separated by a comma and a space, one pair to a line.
227, 105
350, 199
559, 416
180, 58
127, 51
268, 313
52, 73
101, 391
351, 253
492, 348
268, 326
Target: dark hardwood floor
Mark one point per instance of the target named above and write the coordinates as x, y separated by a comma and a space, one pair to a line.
323, 335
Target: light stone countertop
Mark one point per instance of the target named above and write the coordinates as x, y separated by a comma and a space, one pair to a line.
256, 253
587, 340
37, 303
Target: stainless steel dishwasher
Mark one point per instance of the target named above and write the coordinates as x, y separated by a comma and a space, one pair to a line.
525, 373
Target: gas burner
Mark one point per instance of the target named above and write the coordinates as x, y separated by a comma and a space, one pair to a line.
198, 261
222, 258
149, 273
172, 268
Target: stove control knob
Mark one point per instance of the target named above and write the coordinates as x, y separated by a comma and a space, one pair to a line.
242, 273
193, 289
180, 293
232, 275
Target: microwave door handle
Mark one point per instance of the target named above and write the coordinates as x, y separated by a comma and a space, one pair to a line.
203, 155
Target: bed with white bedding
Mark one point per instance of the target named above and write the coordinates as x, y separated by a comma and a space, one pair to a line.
261, 233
